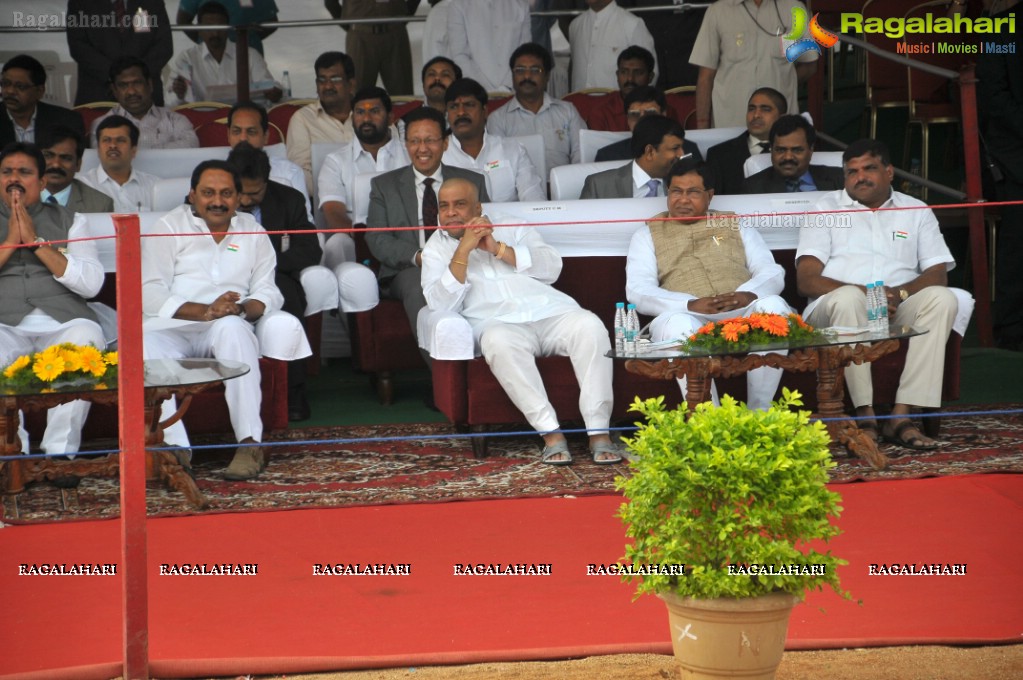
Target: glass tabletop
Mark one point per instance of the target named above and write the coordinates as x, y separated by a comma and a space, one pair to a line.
830, 337
158, 373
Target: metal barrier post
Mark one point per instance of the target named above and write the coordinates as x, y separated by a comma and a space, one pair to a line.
131, 413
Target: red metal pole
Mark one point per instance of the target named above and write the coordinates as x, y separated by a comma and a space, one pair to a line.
131, 406
975, 215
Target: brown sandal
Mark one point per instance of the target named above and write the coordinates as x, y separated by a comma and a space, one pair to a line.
914, 442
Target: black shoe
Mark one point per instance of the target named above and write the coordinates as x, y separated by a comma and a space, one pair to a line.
298, 409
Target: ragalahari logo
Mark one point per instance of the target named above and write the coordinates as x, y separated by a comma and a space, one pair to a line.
819, 36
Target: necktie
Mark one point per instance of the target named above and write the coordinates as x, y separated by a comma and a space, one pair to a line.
652, 186
764, 147
52, 199
792, 185
429, 205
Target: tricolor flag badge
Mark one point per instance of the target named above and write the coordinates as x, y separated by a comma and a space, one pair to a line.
902, 234
233, 247
493, 165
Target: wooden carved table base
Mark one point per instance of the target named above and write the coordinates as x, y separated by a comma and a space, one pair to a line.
828, 361
161, 466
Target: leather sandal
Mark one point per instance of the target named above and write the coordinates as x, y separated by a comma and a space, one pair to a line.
554, 451
915, 442
606, 448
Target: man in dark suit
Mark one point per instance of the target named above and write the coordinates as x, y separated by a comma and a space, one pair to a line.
63, 149
278, 208
408, 197
656, 145
792, 140
642, 100
103, 31
727, 158
23, 85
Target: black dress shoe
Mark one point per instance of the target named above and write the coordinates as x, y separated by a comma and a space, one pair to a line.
298, 409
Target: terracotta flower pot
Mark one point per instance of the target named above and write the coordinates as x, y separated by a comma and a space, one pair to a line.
727, 637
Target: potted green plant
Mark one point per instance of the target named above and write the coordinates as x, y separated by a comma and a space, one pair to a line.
735, 495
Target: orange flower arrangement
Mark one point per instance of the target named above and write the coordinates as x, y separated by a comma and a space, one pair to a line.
744, 332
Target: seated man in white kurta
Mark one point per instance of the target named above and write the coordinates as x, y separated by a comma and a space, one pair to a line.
703, 268
503, 289
202, 291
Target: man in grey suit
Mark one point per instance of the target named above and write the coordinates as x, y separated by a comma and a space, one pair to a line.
792, 140
407, 197
656, 145
63, 149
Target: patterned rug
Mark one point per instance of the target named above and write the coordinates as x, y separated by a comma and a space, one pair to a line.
385, 464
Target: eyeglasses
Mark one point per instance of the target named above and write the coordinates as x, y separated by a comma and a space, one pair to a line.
333, 80
635, 115
429, 141
691, 193
531, 70
20, 87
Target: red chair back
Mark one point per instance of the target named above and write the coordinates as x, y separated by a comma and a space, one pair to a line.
280, 115
214, 133
585, 101
90, 112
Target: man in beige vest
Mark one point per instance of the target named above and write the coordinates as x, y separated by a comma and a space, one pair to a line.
702, 267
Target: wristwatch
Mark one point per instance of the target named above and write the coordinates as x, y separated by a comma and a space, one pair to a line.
903, 294
38, 242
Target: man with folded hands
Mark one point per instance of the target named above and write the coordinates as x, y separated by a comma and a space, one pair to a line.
208, 290
500, 281
699, 266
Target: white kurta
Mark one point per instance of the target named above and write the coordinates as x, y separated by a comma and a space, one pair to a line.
482, 37
200, 70
597, 38
509, 173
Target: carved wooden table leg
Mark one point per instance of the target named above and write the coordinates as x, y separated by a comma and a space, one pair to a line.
12, 474
830, 393
164, 465
698, 374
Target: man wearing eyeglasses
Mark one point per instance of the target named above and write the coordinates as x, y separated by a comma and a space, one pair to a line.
656, 145
407, 197
690, 265
531, 111
642, 101
329, 118
132, 85
22, 86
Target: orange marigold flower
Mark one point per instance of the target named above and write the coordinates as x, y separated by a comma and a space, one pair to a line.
732, 331
775, 325
706, 329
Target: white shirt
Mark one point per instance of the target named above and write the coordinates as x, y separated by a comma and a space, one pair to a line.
26, 134
754, 145
198, 67
309, 125
287, 173
894, 246
642, 280
639, 182
435, 32
159, 128
559, 122
494, 291
194, 268
746, 57
62, 196
482, 37
509, 173
597, 38
135, 195
340, 168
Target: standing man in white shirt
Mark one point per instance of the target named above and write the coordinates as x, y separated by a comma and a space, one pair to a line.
483, 35
214, 62
510, 174
131, 189
598, 36
501, 283
903, 248
211, 292
329, 118
248, 122
531, 111
376, 148
159, 128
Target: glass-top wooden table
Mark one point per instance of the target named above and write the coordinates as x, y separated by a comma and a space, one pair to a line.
164, 378
828, 356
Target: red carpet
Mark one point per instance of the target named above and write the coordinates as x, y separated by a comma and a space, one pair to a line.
284, 620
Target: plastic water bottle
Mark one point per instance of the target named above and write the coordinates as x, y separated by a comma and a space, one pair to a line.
286, 84
631, 329
871, 307
619, 327
882, 308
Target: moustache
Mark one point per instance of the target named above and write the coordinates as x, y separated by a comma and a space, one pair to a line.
437, 83
59, 172
14, 186
786, 164
527, 82
217, 209
865, 183
463, 119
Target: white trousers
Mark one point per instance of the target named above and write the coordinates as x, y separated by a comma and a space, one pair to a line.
932, 309
761, 383
277, 335
63, 423
510, 348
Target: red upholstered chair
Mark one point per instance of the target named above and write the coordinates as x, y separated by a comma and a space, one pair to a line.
402, 105
214, 133
496, 101
200, 113
280, 114
585, 101
682, 101
91, 111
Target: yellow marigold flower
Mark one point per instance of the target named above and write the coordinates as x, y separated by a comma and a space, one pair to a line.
48, 366
92, 361
72, 359
110, 358
18, 364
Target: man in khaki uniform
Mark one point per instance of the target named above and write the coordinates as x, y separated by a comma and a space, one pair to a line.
703, 268
378, 49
